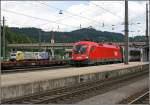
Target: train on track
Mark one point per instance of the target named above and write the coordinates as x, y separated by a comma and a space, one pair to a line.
28, 56
134, 54
83, 53
91, 53
20, 59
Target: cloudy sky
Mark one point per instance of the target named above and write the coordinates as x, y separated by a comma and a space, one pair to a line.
101, 15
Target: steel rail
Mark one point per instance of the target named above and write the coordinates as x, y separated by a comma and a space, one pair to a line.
55, 95
83, 90
141, 97
37, 68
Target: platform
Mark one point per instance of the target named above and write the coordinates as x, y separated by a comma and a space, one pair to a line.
20, 84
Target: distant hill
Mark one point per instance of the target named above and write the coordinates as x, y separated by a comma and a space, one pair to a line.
73, 36
138, 39
16, 37
35, 35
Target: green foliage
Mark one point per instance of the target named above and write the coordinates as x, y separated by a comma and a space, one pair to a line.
74, 36
14, 37
138, 39
34, 35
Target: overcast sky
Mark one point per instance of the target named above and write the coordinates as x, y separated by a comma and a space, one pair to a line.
101, 15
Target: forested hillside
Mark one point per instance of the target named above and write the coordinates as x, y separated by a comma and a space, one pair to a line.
73, 36
35, 35
16, 37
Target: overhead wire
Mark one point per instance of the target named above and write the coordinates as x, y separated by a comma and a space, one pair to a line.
43, 4
17, 13
106, 10
55, 15
110, 12
72, 15
68, 12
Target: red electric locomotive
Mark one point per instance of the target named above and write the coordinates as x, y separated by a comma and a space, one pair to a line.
86, 52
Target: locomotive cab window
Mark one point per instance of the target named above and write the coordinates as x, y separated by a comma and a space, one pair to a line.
92, 49
80, 49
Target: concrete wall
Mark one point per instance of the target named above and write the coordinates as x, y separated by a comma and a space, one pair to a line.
38, 86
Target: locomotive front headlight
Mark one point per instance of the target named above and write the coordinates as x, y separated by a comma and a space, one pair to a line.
86, 57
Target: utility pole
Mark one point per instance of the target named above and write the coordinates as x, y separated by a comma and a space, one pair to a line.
126, 61
147, 36
39, 36
3, 37
39, 39
52, 38
52, 42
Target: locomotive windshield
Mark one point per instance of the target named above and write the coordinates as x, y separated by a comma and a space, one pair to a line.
80, 49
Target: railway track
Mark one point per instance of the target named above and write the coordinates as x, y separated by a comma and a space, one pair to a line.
8, 65
36, 68
142, 97
78, 92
